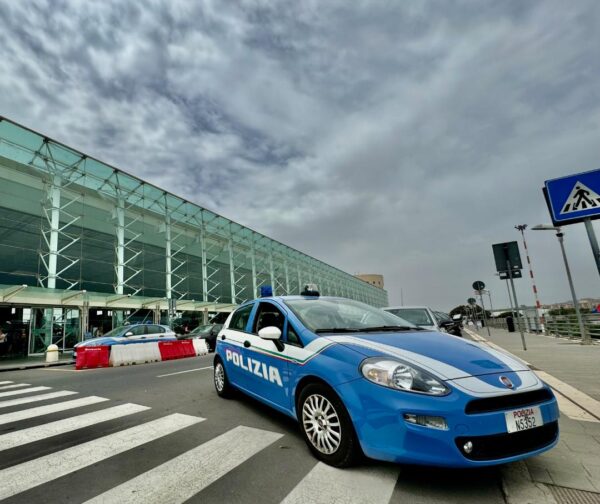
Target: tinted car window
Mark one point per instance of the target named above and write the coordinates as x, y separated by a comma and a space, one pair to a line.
268, 316
240, 318
418, 316
155, 329
136, 330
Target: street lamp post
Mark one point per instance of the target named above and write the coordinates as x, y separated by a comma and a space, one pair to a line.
585, 337
538, 306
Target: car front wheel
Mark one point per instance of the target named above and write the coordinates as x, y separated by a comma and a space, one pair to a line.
326, 425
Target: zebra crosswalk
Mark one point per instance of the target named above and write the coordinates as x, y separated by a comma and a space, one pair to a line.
176, 480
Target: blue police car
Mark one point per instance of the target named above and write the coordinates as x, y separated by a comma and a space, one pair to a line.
363, 381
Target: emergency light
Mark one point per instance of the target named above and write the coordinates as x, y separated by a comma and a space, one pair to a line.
310, 290
266, 291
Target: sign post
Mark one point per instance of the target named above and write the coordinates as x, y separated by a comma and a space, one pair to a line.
472, 302
509, 266
573, 199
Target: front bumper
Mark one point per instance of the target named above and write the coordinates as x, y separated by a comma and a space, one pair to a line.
378, 416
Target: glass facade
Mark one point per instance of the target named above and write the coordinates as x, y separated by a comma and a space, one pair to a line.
69, 222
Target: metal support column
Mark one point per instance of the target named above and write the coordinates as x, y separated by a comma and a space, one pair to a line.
593, 242
231, 266
253, 263
287, 277
272, 271
203, 253
120, 250
54, 230
168, 256
585, 337
512, 284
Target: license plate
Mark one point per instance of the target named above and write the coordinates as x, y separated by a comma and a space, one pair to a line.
523, 419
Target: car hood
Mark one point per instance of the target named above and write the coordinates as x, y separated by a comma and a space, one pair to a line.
99, 341
445, 356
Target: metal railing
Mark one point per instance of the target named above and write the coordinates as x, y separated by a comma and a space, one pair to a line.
556, 325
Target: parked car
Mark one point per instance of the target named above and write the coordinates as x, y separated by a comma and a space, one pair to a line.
361, 381
127, 334
207, 332
424, 317
450, 324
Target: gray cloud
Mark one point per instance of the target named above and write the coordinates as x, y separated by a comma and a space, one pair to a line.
395, 137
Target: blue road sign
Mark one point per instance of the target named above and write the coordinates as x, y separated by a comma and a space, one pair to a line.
574, 198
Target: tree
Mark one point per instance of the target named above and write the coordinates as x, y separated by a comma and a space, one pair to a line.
467, 311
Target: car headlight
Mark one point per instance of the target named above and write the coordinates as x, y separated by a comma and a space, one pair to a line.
399, 375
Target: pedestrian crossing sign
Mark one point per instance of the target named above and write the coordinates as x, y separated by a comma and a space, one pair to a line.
574, 198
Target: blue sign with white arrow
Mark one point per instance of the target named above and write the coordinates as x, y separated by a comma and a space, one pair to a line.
574, 198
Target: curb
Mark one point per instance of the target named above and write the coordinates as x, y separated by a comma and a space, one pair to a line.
21, 367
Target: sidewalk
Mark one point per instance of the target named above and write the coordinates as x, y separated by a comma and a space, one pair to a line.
571, 471
34, 362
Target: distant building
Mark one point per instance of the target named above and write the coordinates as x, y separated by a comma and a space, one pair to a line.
585, 303
371, 278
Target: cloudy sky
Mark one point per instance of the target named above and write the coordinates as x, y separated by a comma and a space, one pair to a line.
399, 137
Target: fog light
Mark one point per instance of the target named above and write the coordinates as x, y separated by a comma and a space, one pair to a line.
468, 447
434, 422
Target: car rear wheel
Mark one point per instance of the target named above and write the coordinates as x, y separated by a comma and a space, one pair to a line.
222, 385
326, 425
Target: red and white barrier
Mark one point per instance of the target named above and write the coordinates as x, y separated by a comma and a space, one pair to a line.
176, 349
134, 353
200, 346
92, 357
138, 353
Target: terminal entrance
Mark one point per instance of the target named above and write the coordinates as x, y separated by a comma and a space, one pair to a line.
58, 326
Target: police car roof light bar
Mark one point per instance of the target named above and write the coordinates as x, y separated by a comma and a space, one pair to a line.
310, 290
266, 291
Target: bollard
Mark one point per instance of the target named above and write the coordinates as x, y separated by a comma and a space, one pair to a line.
52, 353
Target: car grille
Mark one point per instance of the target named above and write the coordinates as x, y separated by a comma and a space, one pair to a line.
508, 401
505, 445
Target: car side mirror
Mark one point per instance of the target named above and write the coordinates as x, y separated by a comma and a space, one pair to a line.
128, 333
270, 333
446, 323
274, 334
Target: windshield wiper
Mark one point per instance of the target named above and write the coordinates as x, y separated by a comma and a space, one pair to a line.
391, 328
337, 330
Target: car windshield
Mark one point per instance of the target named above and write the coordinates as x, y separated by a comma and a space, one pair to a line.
418, 316
203, 329
344, 315
115, 332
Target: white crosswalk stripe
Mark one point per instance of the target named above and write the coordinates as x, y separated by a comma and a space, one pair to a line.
5, 382
35, 398
352, 486
23, 391
22, 477
176, 480
32, 434
180, 478
50, 408
14, 385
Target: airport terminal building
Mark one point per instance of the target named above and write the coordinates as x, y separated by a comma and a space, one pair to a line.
85, 246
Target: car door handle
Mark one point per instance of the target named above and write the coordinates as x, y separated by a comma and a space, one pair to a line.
247, 344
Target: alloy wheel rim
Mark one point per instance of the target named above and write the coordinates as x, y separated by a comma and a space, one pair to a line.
321, 424
219, 377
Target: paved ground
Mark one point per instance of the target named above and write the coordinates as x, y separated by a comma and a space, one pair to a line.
573, 370
215, 450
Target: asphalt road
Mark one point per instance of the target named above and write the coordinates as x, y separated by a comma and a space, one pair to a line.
138, 418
